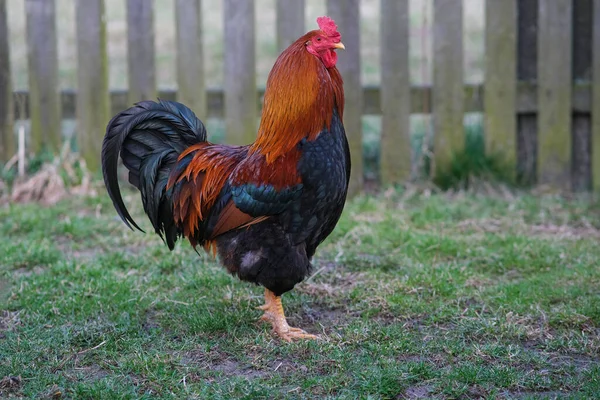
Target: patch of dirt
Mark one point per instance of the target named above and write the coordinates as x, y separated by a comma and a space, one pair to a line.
537, 395
65, 245
331, 283
417, 392
558, 359
235, 368
578, 360
151, 320
91, 372
10, 385
9, 320
320, 319
28, 271
214, 360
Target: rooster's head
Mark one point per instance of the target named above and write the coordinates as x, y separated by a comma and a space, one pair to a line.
323, 42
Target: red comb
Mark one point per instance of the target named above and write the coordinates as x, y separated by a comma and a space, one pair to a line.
328, 26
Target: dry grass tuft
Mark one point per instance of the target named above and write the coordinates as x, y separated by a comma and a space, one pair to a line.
54, 181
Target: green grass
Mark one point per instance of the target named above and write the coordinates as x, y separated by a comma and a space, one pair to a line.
415, 295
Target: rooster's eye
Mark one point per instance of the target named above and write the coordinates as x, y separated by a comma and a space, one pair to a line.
318, 39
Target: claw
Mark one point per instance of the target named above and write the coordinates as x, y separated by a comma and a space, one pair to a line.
274, 314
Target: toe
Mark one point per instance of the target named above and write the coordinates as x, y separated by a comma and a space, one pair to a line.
297, 330
285, 336
297, 333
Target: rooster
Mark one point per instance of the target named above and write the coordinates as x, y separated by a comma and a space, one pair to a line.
263, 208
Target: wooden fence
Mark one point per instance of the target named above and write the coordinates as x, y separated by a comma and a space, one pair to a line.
538, 97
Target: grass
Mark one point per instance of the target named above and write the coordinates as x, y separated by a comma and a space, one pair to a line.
415, 295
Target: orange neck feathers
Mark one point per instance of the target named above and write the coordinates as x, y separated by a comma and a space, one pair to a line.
299, 101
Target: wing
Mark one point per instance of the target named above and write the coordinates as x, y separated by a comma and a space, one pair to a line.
218, 188
262, 190
201, 192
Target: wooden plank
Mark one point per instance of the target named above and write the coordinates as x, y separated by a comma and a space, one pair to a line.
190, 60
42, 56
554, 93
420, 100
501, 80
140, 51
596, 97
7, 137
290, 22
527, 21
395, 165
581, 174
240, 72
93, 103
346, 14
448, 111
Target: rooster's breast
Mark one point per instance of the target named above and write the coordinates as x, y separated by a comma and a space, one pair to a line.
325, 170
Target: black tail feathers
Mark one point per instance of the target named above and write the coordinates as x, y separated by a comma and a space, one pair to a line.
149, 137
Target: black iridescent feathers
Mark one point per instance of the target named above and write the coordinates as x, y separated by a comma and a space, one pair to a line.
149, 137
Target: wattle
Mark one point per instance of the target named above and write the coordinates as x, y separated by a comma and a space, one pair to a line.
329, 58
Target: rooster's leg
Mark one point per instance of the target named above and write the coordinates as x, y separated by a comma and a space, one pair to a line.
274, 314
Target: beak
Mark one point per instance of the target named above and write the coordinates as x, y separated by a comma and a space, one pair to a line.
339, 45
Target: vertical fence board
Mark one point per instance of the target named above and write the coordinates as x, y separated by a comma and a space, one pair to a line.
527, 16
290, 22
93, 102
596, 96
240, 72
190, 61
501, 80
346, 14
554, 93
448, 92
42, 55
7, 138
140, 51
581, 176
395, 158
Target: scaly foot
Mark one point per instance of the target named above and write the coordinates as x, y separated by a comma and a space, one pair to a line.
274, 314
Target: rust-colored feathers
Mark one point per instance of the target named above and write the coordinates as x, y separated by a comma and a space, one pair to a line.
300, 97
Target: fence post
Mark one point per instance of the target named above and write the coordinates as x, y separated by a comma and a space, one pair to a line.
581, 174
44, 91
554, 92
290, 22
448, 91
596, 96
500, 92
140, 51
346, 14
7, 137
395, 166
527, 21
93, 102
190, 60
240, 72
